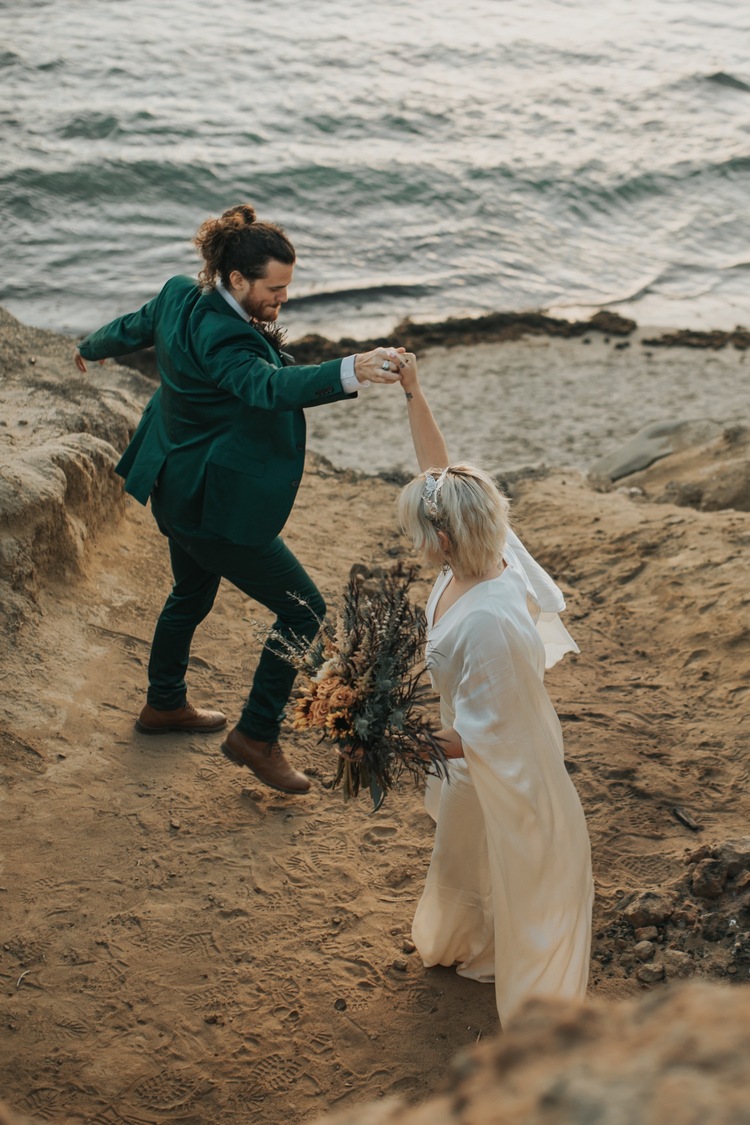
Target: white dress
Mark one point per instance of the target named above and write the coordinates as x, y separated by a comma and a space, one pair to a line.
509, 891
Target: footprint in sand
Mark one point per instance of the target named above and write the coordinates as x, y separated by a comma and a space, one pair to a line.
272, 1075
378, 835
168, 1090
202, 942
42, 887
653, 869
71, 1029
221, 997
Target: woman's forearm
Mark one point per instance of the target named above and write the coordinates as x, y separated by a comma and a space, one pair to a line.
429, 443
451, 742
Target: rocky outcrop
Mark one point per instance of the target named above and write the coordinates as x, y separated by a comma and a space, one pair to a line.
695, 464
679, 1056
60, 437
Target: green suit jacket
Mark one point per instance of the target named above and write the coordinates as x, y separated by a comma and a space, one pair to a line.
223, 438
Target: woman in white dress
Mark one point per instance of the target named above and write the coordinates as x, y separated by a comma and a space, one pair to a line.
509, 891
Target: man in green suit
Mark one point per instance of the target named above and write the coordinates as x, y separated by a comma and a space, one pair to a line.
220, 452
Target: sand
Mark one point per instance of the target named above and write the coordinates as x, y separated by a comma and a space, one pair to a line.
180, 944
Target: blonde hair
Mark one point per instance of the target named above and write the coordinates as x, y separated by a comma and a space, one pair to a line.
467, 506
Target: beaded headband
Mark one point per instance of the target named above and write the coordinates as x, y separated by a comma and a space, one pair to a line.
431, 492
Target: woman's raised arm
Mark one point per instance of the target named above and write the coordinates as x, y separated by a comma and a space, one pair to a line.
429, 443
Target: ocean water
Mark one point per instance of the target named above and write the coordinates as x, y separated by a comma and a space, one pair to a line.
428, 159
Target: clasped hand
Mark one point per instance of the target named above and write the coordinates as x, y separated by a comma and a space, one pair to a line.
381, 365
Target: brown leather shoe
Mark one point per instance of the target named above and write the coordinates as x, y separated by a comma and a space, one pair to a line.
266, 760
189, 718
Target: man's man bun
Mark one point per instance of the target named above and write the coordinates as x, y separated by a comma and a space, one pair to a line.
237, 241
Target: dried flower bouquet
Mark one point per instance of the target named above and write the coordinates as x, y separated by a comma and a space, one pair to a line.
362, 683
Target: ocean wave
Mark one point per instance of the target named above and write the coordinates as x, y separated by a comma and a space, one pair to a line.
351, 294
118, 180
90, 127
721, 78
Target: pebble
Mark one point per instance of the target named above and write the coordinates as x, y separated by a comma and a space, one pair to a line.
252, 794
644, 950
678, 964
340, 1005
709, 878
647, 933
399, 965
408, 946
649, 908
650, 974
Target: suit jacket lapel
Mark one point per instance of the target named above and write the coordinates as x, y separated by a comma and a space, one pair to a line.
219, 305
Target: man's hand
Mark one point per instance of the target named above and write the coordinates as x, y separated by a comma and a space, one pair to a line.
80, 362
381, 365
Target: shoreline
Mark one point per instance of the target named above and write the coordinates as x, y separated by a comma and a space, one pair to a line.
494, 328
517, 393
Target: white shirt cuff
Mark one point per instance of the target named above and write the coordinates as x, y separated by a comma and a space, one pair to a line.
349, 381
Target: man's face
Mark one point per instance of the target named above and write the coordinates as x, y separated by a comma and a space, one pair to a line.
263, 298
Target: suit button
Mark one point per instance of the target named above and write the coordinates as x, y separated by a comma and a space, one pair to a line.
295, 483
300, 445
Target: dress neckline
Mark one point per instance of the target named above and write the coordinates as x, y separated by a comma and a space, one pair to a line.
449, 575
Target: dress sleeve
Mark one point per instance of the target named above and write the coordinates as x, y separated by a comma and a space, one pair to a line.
487, 695
545, 599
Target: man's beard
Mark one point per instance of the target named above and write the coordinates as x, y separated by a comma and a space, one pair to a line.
269, 329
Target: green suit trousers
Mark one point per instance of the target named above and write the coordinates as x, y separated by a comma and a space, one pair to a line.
272, 576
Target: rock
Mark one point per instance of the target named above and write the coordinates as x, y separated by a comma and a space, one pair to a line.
714, 926
612, 323
647, 933
650, 974
650, 444
677, 963
691, 338
741, 950
57, 484
408, 946
720, 867
709, 879
678, 1054
685, 918
711, 475
644, 950
732, 855
649, 908
399, 965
